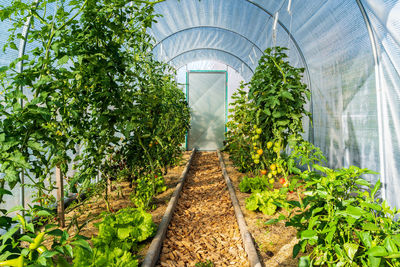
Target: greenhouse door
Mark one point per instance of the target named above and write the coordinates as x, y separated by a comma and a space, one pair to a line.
206, 93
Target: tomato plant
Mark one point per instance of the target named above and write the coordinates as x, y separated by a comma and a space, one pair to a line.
239, 127
94, 86
280, 97
265, 118
89, 88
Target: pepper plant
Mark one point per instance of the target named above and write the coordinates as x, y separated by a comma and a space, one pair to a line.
339, 224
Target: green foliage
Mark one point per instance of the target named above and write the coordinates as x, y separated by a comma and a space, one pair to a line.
270, 114
207, 263
266, 201
239, 128
342, 224
146, 188
339, 219
90, 85
279, 95
252, 184
303, 153
117, 240
35, 254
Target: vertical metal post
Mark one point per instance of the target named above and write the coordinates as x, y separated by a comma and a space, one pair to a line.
60, 196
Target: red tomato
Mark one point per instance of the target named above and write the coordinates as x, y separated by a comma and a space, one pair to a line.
282, 180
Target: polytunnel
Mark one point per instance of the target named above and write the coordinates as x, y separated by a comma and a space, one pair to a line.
348, 50
59, 146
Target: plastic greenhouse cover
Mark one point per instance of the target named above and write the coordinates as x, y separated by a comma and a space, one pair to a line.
353, 72
331, 40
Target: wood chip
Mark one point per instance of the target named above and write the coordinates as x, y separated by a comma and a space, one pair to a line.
204, 226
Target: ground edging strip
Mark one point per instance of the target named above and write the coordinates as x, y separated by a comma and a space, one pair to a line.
249, 246
153, 253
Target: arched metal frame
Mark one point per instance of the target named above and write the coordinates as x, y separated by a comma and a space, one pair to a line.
216, 60
293, 40
303, 59
212, 49
209, 27
291, 37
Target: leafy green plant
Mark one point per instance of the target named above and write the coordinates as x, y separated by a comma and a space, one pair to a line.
145, 189
252, 184
343, 225
117, 240
303, 154
206, 263
89, 87
239, 125
266, 201
280, 97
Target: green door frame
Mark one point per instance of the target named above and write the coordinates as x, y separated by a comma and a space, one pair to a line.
226, 94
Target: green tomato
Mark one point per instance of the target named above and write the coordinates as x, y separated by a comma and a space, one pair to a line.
256, 156
269, 144
256, 137
256, 161
259, 131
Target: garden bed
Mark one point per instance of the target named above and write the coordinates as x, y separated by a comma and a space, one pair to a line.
274, 242
89, 212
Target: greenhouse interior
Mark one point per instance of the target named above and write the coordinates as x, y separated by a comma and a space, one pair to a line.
200, 133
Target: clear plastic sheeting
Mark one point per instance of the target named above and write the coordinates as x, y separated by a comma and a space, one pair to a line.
328, 38
239, 29
234, 77
384, 17
245, 71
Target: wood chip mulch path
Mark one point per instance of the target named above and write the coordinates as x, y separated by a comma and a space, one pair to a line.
203, 228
